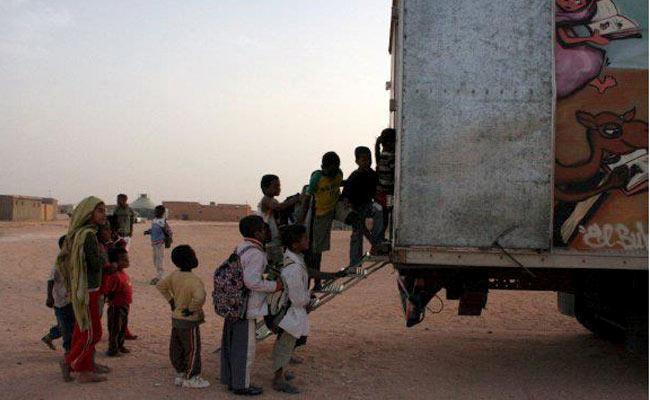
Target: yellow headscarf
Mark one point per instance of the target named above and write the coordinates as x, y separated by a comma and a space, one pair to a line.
71, 261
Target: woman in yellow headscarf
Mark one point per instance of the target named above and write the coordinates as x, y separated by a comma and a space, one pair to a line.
80, 265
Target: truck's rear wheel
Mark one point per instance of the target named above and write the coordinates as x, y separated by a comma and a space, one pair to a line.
613, 305
588, 315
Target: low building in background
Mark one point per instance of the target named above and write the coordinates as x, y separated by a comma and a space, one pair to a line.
194, 211
66, 209
27, 208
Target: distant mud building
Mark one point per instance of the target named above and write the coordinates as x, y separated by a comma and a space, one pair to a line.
193, 211
27, 208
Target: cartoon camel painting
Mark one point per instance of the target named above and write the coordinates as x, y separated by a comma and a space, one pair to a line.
609, 136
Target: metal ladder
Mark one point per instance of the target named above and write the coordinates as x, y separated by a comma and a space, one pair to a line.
335, 287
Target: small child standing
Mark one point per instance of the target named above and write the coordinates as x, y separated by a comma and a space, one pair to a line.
295, 323
119, 293
185, 294
159, 231
59, 299
268, 208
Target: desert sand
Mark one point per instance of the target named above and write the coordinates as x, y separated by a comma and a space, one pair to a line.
359, 347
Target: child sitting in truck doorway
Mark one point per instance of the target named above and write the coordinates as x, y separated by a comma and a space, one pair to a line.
385, 157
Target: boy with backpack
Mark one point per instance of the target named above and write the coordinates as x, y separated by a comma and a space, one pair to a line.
185, 294
238, 338
161, 238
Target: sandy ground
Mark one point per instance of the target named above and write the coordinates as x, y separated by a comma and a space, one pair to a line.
520, 348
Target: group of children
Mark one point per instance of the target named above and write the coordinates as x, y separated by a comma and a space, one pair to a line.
281, 250
279, 253
186, 295
113, 288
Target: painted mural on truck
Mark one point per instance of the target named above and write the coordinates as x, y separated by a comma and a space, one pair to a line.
601, 168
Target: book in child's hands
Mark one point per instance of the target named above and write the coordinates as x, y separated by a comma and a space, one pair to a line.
612, 25
637, 164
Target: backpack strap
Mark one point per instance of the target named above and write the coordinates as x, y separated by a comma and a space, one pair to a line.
245, 249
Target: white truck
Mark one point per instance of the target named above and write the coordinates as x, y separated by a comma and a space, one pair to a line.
522, 155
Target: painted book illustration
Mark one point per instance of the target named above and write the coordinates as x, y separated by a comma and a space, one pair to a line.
637, 164
612, 25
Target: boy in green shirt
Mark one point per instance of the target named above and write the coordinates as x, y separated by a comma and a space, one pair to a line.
325, 190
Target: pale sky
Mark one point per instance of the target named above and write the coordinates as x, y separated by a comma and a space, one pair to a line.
186, 100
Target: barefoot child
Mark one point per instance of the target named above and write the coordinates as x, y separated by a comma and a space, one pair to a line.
185, 294
118, 292
295, 323
59, 299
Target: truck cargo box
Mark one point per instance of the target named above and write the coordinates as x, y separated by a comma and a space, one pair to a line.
501, 143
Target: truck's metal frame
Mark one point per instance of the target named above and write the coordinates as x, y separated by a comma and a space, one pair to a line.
468, 257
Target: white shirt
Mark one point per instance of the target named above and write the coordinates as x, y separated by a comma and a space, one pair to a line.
254, 262
269, 217
296, 279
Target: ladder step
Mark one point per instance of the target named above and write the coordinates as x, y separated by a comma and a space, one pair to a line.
262, 332
332, 288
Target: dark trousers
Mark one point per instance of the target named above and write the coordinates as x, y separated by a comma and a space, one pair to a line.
117, 317
64, 325
387, 214
185, 349
313, 262
237, 352
359, 230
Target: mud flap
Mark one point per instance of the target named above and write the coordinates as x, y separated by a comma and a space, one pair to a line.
415, 294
